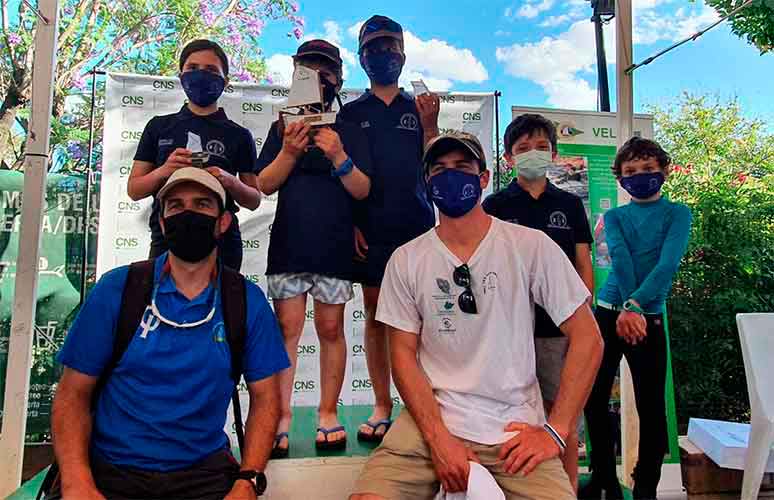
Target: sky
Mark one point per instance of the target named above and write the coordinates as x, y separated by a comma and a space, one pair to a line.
541, 52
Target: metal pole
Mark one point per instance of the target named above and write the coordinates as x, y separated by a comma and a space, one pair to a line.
604, 86
630, 427
497, 95
87, 205
36, 158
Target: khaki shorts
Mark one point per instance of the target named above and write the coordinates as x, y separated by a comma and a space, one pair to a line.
401, 468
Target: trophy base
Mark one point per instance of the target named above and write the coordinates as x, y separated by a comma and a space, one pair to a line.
315, 120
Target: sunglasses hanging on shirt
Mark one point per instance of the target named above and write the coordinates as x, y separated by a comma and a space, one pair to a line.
466, 301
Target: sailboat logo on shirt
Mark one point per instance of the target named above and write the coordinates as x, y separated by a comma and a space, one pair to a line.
444, 285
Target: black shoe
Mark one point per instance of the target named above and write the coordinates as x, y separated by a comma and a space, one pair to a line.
593, 490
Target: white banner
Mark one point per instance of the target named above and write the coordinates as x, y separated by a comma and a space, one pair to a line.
124, 236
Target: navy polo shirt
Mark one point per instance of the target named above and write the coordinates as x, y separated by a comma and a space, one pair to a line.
557, 213
397, 209
313, 229
164, 406
230, 146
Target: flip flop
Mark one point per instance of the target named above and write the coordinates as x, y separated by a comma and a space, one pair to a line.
276, 451
373, 437
326, 445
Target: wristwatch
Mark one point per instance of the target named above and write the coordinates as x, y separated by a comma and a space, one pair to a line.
630, 306
256, 478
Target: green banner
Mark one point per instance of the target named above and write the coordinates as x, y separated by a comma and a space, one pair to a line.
59, 282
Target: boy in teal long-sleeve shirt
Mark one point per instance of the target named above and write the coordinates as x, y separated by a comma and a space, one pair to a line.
646, 240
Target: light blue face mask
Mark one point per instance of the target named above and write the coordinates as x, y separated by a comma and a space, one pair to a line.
532, 164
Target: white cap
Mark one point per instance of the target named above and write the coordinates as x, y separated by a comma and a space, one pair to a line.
197, 175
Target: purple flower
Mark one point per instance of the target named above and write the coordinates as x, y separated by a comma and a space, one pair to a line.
14, 39
294, 6
79, 83
69, 11
208, 16
242, 76
235, 39
255, 26
74, 149
298, 33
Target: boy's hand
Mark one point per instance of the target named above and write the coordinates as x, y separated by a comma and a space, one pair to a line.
451, 459
295, 139
428, 105
528, 449
329, 142
179, 158
631, 327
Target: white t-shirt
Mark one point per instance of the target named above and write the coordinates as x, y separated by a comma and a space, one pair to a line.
481, 366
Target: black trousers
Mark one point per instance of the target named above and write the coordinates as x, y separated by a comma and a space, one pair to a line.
647, 362
211, 479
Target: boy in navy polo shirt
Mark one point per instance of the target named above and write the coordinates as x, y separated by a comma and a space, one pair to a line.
397, 210
646, 239
230, 148
158, 424
533, 201
319, 174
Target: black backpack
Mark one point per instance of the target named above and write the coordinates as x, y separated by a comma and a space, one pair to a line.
134, 299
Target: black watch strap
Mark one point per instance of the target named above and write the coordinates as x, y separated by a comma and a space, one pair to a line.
257, 478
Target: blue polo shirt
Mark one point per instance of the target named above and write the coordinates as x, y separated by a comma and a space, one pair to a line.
313, 230
397, 209
164, 406
230, 146
557, 213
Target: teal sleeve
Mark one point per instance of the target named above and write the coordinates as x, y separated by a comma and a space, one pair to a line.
620, 255
659, 280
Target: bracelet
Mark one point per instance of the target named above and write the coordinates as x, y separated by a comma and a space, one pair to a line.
555, 436
344, 168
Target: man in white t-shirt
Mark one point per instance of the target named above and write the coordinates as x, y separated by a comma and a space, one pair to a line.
459, 305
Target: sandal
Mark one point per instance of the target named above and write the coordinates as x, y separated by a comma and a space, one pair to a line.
373, 437
339, 444
276, 451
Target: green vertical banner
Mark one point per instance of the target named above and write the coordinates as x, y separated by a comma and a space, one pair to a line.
587, 143
62, 252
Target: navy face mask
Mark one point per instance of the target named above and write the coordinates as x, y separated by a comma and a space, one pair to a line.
202, 87
643, 186
382, 67
454, 192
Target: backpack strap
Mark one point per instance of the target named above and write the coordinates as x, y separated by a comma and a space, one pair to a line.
135, 298
234, 303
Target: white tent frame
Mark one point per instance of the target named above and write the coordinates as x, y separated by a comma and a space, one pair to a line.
17, 382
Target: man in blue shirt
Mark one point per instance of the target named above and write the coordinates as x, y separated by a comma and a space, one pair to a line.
229, 148
646, 240
158, 423
533, 201
397, 209
319, 174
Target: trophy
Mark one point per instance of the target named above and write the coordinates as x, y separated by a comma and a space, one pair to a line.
305, 101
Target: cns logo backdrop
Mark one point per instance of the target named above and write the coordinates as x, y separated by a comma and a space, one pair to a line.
132, 100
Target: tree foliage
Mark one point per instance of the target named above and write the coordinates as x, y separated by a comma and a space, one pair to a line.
142, 36
724, 171
754, 23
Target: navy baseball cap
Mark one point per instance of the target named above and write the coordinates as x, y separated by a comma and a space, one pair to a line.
379, 27
319, 48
